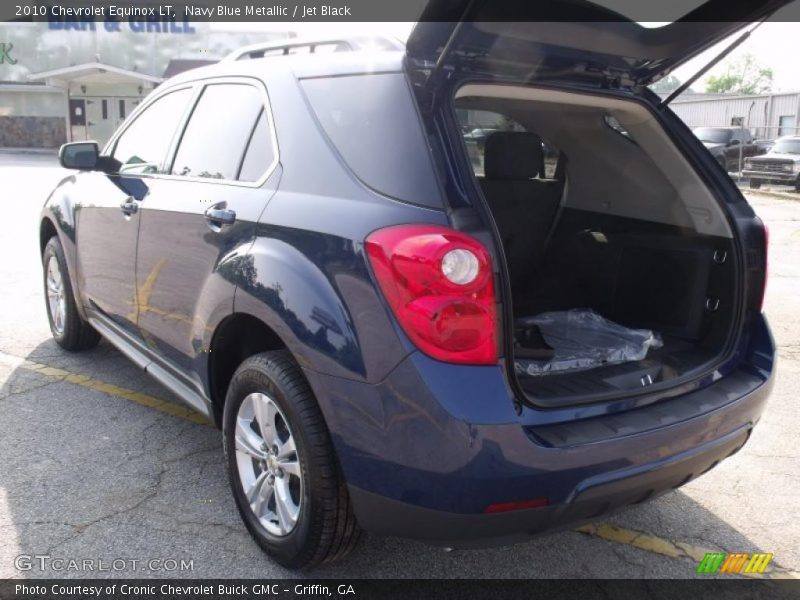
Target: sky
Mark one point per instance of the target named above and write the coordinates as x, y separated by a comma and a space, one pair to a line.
773, 44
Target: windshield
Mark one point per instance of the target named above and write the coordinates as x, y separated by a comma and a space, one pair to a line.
786, 147
715, 136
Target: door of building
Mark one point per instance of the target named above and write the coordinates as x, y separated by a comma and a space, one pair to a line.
77, 119
105, 115
100, 121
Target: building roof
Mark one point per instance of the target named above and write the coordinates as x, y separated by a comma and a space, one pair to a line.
179, 65
94, 72
705, 96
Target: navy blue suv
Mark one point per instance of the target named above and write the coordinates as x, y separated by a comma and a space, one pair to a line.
314, 250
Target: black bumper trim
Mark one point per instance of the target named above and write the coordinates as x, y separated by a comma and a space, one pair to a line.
654, 416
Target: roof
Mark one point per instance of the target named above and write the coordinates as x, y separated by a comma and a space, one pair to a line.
179, 65
94, 71
706, 96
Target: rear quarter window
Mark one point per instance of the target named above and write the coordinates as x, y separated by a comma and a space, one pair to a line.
373, 123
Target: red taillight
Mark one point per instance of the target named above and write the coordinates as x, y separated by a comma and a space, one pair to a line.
439, 284
757, 264
766, 267
500, 507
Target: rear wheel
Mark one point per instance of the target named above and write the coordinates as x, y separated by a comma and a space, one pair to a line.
755, 184
69, 330
281, 465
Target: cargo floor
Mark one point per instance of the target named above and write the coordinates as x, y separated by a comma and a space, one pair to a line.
674, 359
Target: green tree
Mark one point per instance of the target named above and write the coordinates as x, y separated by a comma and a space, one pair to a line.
666, 85
743, 76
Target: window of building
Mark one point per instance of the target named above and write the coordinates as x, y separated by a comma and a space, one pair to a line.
218, 132
143, 146
737, 121
104, 108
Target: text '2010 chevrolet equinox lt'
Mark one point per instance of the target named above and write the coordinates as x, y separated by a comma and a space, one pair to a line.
462, 291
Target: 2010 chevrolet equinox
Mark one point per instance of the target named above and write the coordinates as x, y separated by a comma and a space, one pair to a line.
384, 275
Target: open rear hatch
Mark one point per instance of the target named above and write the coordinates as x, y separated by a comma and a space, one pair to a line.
633, 237
576, 39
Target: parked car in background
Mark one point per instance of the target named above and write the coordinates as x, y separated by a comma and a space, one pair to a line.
780, 165
729, 144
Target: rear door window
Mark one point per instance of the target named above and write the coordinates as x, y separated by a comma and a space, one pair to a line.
218, 132
260, 154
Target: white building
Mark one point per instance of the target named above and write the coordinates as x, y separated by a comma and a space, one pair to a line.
78, 80
768, 116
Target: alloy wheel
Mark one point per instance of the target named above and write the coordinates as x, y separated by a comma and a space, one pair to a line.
55, 295
268, 464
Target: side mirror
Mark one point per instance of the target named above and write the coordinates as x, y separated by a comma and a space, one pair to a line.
733, 143
79, 155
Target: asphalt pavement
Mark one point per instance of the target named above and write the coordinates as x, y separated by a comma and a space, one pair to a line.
99, 463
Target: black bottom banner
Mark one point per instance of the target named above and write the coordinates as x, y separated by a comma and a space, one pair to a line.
488, 589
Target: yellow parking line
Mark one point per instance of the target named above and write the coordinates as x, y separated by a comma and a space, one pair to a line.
604, 531
107, 388
656, 545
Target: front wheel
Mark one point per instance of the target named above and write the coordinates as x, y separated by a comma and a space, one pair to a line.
755, 184
281, 465
69, 330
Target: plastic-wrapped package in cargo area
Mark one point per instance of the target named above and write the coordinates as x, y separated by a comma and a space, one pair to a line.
582, 339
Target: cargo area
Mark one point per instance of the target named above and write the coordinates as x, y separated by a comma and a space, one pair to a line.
602, 222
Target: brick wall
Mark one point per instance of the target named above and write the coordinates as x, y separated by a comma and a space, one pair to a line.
32, 132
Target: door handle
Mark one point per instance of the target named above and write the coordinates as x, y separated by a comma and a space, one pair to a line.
218, 215
128, 207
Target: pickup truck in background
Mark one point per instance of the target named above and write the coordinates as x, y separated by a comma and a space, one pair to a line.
730, 144
780, 165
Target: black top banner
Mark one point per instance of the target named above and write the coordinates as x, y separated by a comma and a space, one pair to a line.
182, 11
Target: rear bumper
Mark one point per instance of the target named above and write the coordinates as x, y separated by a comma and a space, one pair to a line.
428, 449
594, 497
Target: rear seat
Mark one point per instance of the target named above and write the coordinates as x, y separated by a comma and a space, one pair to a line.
523, 206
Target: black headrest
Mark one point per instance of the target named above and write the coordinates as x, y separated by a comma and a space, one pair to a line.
512, 155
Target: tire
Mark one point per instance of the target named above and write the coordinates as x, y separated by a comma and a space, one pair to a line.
325, 528
755, 184
69, 330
